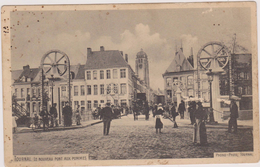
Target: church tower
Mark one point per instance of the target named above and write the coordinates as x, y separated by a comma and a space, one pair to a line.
142, 67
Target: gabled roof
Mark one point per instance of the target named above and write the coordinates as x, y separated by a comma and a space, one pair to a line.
105, 59
16, 74
28, 73
179, 63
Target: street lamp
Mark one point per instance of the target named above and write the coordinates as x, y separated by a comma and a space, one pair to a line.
210, 79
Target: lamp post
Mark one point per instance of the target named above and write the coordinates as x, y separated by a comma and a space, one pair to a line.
52, 84
210, 79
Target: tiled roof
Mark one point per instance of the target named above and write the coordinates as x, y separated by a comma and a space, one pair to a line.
105, 59
179, 63
28, 73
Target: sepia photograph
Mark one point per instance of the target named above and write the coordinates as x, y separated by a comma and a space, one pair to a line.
139, 84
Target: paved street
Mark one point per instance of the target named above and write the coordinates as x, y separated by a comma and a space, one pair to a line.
129, 139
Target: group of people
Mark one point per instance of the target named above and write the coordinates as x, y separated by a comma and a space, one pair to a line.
140, 106
117, 111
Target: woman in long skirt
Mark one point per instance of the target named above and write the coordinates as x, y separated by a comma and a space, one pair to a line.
158, 119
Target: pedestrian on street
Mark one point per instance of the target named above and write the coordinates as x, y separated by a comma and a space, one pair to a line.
158, 118
174, 115
135, 111
146, 107
45, 117
181, 109
67, 114
78, 116
233, 116
99, 110
199, 133
191, 110
106, 116
54, 115
14, 118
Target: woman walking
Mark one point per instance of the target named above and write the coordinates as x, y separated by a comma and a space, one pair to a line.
174, 115
158, 118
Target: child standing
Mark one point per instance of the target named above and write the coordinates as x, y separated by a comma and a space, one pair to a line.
158, 118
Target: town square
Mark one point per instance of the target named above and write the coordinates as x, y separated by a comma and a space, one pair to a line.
133, 84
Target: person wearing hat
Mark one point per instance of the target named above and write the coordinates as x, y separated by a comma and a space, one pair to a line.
45, 117
233, 116
181, 109
174, 115
191, 110
199, 133
106, 115
158, 118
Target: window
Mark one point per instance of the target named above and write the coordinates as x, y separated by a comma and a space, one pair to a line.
122, 73
88, 75
95, 103
115, 73
175, 79
101, 74
22, 92
82, 90
241, 75
89, 105
108, 101
76, 91
123, 102
108, 89
248, 90
101, 101
82, 103
115, 88
183, 80
39, 92
169, 93
15, 92
123, 88
28, 92
168, 81
94, 74
63, 91
102, 89
190, 80
95, 89
89, 89
76, 103
108, 74
34, 107
116, 102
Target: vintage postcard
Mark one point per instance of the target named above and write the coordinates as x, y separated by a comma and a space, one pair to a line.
130, 84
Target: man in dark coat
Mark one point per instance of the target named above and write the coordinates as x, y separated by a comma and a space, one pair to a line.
181, 109
45, 117
67, 113
106, 116
54, 115
191, 110
233, 117
146, 108
135, 111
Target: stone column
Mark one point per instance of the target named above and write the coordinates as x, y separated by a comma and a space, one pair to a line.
215, 95
178, 95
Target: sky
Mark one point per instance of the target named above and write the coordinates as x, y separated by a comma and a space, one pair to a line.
157, 32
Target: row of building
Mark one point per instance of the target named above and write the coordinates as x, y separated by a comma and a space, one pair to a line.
105, 77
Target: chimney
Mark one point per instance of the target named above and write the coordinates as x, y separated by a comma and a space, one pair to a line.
102, 48
126, 58
89, 51
27, 67
122, 53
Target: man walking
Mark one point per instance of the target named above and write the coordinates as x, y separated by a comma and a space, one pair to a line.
233, 117
106, 116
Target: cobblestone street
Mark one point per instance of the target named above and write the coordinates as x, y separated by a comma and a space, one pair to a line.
129, 139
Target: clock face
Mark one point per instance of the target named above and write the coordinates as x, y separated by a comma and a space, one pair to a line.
140, 65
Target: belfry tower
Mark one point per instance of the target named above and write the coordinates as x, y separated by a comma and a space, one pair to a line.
142, 67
